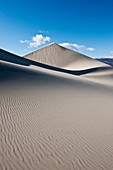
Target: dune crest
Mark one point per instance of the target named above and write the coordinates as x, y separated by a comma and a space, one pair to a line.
61, 57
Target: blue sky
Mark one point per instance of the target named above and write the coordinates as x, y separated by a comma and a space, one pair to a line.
85, 26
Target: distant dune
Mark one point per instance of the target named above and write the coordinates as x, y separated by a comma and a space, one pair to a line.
106, 60
56, 113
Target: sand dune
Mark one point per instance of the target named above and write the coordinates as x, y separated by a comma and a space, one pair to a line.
59, 56
106, 60
102, 76
54, 120
8, 57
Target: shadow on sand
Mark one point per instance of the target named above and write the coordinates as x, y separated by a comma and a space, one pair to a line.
12, 58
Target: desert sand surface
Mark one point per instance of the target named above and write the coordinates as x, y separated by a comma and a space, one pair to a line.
53, 119
102, 76
61, 57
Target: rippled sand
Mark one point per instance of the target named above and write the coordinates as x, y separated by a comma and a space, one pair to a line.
51, 120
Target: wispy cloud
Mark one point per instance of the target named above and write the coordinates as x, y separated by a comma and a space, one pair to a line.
36, 41
90, 49
43, 31
24, 41
107, 56
76, 47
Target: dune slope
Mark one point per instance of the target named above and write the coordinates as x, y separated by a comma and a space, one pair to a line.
61, 57
102, 76
51, 120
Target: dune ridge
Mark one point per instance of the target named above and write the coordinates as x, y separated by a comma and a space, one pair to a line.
51, 119
8, 57
61, 57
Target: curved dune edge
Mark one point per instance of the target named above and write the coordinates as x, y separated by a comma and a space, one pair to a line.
102, 76
58, 56
28, 63
54, 120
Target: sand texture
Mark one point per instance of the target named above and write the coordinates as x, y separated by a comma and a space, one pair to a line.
59, 56
51, 119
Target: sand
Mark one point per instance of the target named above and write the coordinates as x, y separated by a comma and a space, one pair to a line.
54, 120
102, 76
61, 57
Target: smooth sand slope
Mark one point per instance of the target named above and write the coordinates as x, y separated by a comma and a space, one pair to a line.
59, 56
51, 120
103, 76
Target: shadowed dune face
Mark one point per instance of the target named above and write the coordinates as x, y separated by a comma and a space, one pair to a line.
9, 57
61, 57
51, 120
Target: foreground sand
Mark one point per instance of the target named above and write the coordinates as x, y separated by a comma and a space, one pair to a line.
54, 121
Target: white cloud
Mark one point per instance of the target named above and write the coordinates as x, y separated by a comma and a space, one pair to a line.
43, 31
24, 41
36, 41
76, 47
109, 56
90, 49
